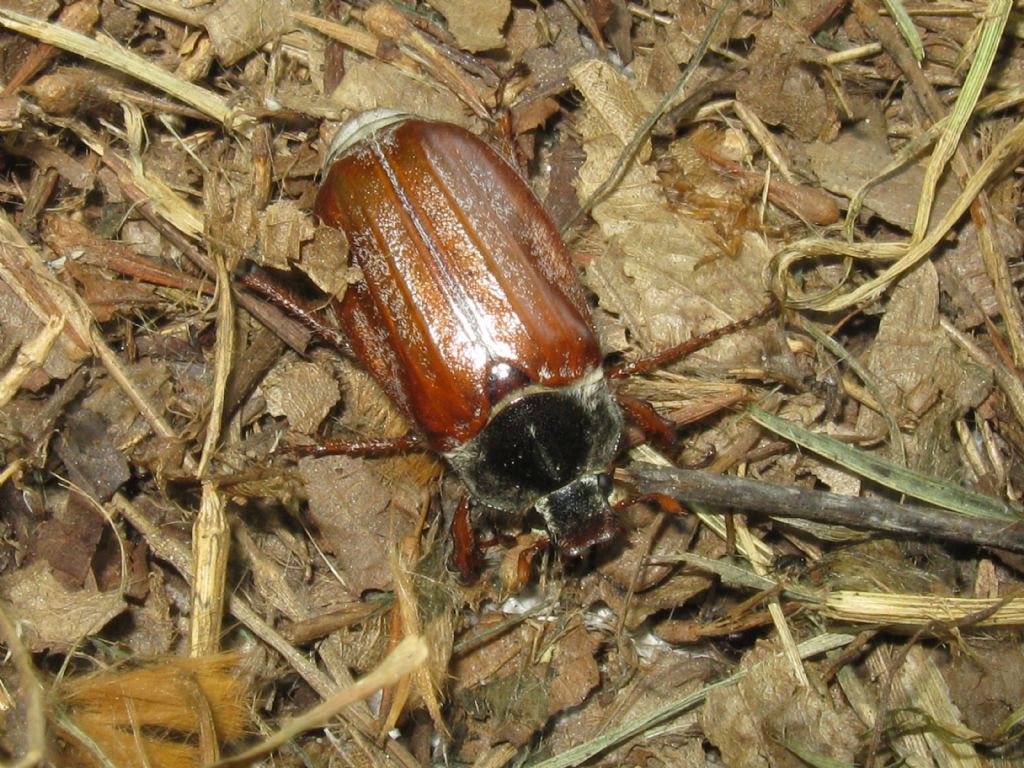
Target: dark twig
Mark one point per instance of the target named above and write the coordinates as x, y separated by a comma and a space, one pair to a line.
873, 514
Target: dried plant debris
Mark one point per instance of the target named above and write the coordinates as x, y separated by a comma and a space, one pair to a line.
750, 723
509, 695
848, 165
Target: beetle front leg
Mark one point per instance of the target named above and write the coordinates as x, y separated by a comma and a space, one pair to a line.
656, 428
660, 501
466, 548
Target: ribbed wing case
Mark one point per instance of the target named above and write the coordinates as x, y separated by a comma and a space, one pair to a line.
468, 293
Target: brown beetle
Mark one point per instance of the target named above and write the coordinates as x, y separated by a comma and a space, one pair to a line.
471, 316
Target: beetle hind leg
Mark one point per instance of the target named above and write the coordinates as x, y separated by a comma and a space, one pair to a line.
366, 447
284, 298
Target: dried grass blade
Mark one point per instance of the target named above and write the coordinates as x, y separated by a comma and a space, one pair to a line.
1003, 156
919, 610
907, 481
31, 356
963, 109
211, 542
734, 575
906, 27
223, 354
112, 55
410, 654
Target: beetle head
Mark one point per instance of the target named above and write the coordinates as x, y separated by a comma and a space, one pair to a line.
578, 515
549, 449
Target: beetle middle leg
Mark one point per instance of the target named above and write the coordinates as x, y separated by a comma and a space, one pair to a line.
311, 316
656, 428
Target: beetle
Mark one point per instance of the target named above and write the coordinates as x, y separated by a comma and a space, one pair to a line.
471, 316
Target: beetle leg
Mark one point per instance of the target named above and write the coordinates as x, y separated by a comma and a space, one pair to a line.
661, 501
658, 359
374, 446
656, 428
302, 310
466, 554
518, 563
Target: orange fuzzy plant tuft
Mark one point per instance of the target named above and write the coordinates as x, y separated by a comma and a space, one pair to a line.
160, 715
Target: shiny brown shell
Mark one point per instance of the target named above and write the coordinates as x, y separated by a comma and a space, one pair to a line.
468, 293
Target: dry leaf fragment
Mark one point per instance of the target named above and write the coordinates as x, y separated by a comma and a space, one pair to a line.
664, 675
284, 227
375, 84
547, 40
155, 625
983, 683
358, 518
29, 359
52, 615
91, 458
239, 27
18, 325
514, 692
325, 262
68, 541
783, 87
749, 721
659, 274
856, 157
303, 392
919, 376
475, 25
962, 273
